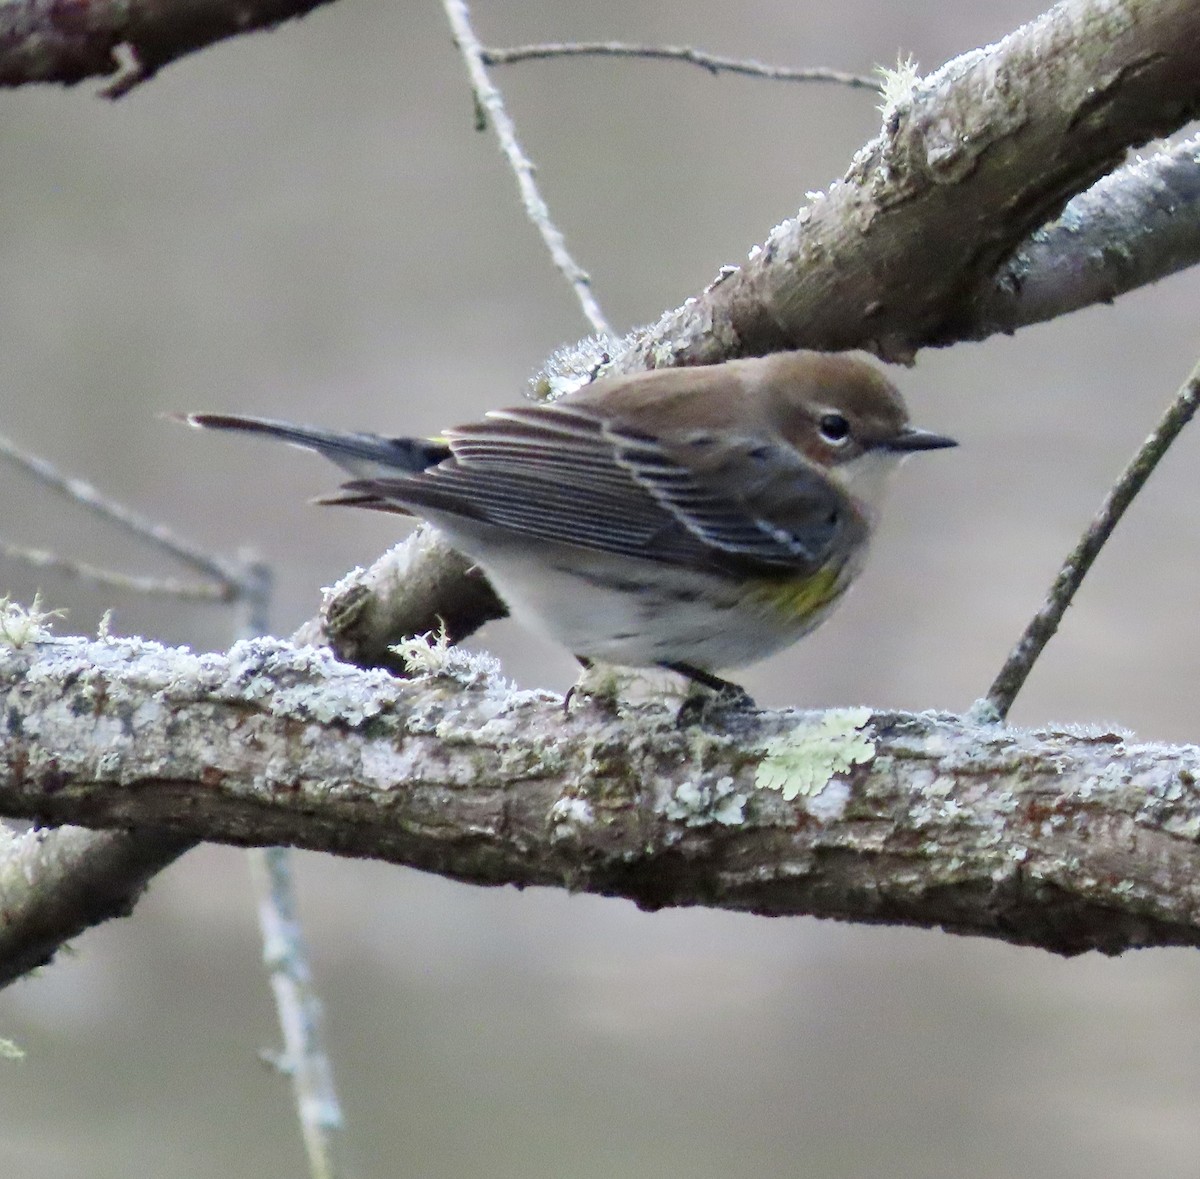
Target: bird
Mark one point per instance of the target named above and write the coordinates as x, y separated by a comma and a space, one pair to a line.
694, 518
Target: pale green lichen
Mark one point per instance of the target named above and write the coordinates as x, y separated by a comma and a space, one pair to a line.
10, 1051
898, 84
21, 625
804, 760
433, 655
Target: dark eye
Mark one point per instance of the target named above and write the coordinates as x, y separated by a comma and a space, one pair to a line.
834, 428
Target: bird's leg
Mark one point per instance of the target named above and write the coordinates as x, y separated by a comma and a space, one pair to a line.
724, 694
586, 664
601, 685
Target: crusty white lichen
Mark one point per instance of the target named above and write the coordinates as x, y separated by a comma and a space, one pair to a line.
568, 817
308, 683
701, 803
576, 365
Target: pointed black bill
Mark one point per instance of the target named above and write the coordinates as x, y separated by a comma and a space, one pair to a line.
911, 439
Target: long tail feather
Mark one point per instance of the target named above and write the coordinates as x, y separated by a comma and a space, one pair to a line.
362, 455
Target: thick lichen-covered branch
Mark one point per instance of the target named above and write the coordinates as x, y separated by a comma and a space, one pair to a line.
1067, 840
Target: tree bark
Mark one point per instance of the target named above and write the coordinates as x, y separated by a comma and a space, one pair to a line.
1064, 839
53, 41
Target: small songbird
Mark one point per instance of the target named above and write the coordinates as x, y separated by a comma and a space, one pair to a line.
697, 519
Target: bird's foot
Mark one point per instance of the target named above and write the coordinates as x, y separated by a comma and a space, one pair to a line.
710, 695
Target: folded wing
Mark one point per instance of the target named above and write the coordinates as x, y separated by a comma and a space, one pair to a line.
564, 473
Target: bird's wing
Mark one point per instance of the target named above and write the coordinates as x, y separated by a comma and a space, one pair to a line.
564, 473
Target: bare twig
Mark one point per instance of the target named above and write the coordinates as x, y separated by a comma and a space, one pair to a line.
300, 1016
196, 591
1045, 622
713, 62
155, 534
488, 99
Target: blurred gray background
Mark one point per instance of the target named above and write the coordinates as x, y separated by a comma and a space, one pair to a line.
306, 224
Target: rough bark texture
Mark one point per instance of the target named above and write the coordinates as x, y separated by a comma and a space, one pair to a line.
910, 248
1067, 840
907, 251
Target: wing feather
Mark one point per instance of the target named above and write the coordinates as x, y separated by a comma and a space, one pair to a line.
564, 473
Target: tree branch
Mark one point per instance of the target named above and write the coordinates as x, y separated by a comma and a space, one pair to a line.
56, 884
1068, 840
1041, 628
49, 41
978, 155
1133, 227
906, 251
714, 63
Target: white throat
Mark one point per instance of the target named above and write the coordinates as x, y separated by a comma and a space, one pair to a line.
866, 479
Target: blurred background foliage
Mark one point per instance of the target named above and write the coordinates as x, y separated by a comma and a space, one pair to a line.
306, 224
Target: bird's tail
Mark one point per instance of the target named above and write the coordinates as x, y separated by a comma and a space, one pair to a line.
365, 456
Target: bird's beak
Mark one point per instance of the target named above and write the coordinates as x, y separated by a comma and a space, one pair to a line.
910, 439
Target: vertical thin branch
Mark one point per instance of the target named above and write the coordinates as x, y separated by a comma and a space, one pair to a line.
488, 97
298, 1007
1045, 622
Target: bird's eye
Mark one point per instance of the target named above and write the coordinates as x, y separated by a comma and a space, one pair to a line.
834, 428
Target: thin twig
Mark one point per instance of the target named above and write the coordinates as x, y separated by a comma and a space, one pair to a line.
169, 587
1045, 622
488, 99
158, 535
299, 1008
713, 62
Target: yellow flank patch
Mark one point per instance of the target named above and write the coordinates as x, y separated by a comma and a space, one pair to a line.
798, 597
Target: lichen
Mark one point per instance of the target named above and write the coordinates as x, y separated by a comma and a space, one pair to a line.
433, 655
568, 816
700, 804
22, 625
804, 760
898, 84
307, 683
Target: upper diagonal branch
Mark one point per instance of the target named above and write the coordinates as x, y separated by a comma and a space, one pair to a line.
1068, 841
979, 155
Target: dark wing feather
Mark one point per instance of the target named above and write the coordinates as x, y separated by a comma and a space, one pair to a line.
758, 499
563, 473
